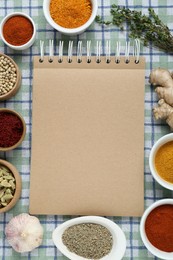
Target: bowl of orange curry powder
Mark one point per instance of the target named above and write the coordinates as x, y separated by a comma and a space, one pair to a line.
161, 161
18, 31
70, 17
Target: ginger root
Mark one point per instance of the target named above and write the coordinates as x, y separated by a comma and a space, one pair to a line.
163, 79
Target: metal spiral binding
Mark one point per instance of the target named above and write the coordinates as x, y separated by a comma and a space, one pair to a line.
79, 52
108, 52
61, 46
136, 51
70, 51
88, 51
51, 52
98, 52
41, 51
118, 52
127, 52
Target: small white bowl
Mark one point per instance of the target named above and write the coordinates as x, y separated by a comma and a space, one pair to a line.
20, 47
155, 251
155, 148
119, 239
67, 31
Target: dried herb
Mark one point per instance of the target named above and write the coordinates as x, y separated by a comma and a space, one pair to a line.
91, 241
146, 28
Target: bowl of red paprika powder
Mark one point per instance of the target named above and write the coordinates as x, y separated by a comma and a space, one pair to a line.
12, 129
156, 229
18, 31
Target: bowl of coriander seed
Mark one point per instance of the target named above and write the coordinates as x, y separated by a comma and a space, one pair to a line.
10, 77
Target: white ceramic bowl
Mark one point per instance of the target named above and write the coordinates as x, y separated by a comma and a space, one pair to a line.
149, 246
67, 31
156, 146
24, 46
119, 240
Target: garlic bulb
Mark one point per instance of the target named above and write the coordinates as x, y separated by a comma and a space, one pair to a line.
24, 233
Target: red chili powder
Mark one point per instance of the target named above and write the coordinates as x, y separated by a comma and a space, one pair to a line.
11, 129
159, 227
17, 30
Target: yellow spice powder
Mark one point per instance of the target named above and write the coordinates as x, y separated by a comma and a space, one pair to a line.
164, 162
70, 13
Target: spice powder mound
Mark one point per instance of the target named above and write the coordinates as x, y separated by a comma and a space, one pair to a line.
91, 241
159, 227
18, 30
71, 13
164, 161
11, 129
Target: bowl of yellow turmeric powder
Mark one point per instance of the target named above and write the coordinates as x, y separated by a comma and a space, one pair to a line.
161, 161
70, 17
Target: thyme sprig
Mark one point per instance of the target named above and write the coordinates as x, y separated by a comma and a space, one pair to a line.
146, 28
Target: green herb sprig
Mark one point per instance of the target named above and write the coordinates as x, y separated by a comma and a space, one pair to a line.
146, 28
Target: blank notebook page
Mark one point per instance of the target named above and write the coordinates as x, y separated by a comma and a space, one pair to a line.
88, 139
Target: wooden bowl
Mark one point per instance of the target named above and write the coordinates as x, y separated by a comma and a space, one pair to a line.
16, 87
18, 189
4, 149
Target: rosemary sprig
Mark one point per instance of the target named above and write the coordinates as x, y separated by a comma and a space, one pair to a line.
146, 28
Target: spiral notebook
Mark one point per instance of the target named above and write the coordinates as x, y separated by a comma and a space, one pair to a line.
88, 136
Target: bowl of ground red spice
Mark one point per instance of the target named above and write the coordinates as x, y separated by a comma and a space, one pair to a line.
161, 161
18, 31
70, 17
156, 229
12, 129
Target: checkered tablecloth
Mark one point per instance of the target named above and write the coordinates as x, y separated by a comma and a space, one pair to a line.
22, 102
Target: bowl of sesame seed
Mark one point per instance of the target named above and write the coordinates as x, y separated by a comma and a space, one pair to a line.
10, 77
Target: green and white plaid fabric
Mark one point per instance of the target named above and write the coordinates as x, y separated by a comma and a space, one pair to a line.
22, 102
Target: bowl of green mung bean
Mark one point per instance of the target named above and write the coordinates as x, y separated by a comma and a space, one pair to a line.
90, 237
10, 186
10, 77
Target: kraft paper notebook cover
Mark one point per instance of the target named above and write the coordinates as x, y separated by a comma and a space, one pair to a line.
88, 138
